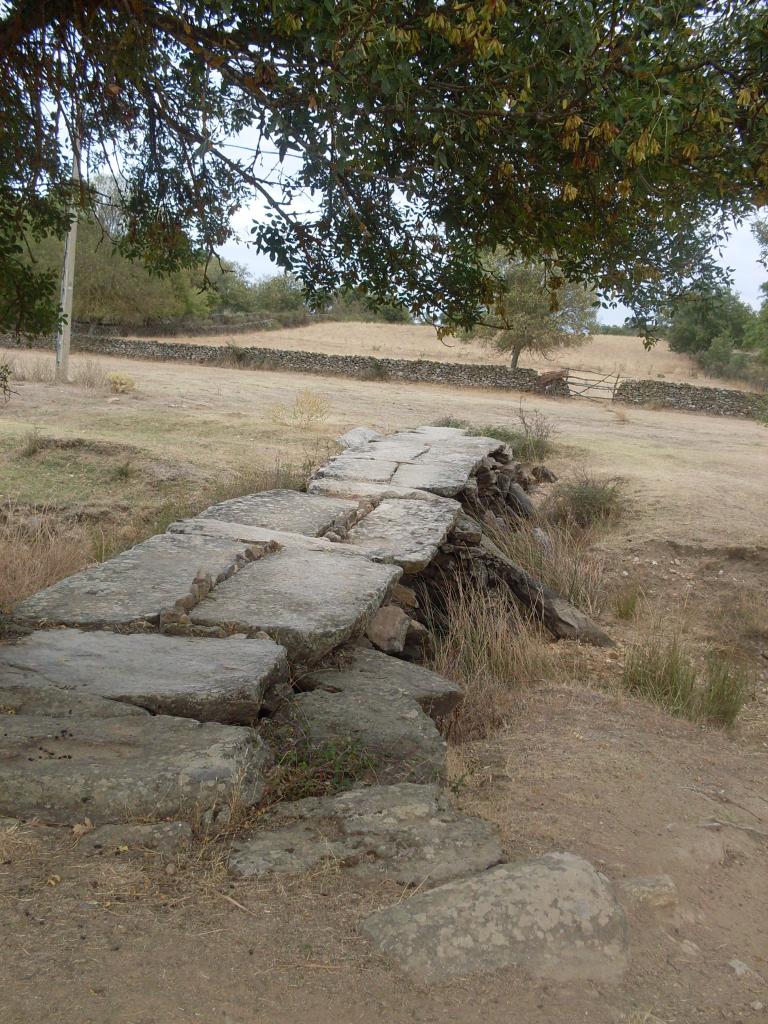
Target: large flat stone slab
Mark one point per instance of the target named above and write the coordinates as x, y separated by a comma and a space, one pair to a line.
261, 535
307, 601
289, 511
353, 465
67, 756
368, 671
365, 489
386, 729
210, 680
408, 833
446, 477
554, 916
137, 585
407, 533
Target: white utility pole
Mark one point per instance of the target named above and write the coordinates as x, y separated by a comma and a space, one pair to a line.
68, 281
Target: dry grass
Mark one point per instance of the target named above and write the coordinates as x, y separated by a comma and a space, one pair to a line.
84, 372
587, 500
307, 410
662, 670
531, 436
560, 556
40, 546
486, 645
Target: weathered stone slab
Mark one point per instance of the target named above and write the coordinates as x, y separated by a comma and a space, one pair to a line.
68, 756
388, 729
369, 671
308, 601
357, 436
554, 916
354, 466
261, 535
210, 680
137, 585
407, 833
447, 477
408, 533
289, 511
365, 489
388, 629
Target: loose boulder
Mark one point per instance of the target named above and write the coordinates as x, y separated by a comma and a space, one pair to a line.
554, 916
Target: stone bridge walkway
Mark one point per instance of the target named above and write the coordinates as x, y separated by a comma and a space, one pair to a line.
139, 691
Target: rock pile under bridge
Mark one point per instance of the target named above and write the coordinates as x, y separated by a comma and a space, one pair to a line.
142, 685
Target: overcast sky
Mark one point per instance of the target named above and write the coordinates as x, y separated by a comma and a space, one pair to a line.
740, 255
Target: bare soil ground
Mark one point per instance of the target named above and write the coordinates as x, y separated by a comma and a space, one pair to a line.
604, 353
578, 767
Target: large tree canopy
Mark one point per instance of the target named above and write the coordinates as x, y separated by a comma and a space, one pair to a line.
390, 143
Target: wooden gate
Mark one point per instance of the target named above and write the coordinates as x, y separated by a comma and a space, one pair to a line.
592, 384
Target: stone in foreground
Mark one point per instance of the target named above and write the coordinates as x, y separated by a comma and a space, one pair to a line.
407, 833
389, 731
408, 533
138, 584
308, 601
554, 916
68, 756
289, 511
364, 489
367, 671
210, 680
655, 891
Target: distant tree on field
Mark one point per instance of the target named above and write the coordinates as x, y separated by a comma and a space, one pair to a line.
535, 312
707, 314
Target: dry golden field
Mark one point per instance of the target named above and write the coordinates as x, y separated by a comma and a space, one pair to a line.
605, 353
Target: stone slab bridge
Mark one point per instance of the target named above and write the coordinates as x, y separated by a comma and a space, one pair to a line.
141, 689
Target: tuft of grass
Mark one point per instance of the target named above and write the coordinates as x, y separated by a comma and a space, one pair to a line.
33, 443
727, 686
307, 410
124, 470
627, 601
558, 555
330, 768
121, 383
661, 671
485, 644
39, 546
587, 500
531, 438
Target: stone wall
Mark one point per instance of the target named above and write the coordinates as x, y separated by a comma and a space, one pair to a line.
363, 367
689, 397
665, 394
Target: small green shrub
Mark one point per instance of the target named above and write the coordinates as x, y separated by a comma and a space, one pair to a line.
726, 688
587, 500
34, 442
662, 673
124, 470
626, 602
330, 768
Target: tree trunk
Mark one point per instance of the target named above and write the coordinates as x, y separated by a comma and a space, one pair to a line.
516, 356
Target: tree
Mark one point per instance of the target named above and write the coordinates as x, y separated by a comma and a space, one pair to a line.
526, 317
706, 314
389, 144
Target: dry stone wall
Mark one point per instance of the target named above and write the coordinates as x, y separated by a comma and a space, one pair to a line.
662, 394
107, 713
